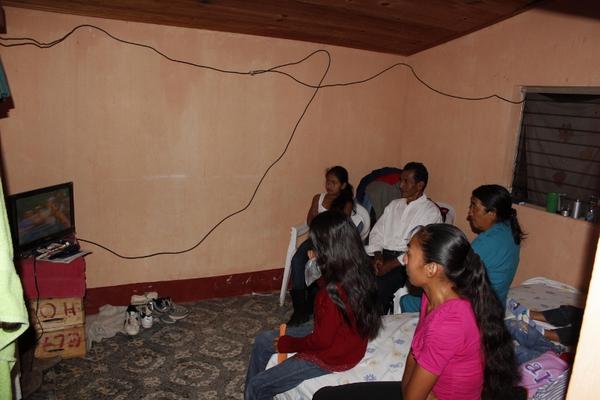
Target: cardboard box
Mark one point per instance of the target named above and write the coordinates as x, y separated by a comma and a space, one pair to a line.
56, 313
66, 343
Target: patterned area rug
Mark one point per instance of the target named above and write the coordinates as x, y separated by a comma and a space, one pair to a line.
201, 357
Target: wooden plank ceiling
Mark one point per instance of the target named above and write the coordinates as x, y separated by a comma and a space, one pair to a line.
400, 27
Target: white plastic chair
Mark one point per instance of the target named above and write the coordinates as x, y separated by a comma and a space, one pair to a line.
296, 232
360, 216
449, 219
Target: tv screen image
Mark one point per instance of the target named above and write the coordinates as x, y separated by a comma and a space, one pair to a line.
41, 216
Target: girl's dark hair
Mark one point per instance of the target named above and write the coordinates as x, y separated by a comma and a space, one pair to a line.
342, 258
496, 198
347, 194
447, 246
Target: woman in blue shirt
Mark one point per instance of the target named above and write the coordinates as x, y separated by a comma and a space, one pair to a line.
493, 218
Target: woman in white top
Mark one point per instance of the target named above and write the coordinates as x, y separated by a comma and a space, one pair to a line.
339, 195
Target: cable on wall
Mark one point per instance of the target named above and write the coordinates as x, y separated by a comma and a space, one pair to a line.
287, 145
26, 41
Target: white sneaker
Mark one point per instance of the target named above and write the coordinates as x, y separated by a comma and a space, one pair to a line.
147, 321
147, 318
132, 321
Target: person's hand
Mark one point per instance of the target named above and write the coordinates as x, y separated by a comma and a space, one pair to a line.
311, 254
275, 342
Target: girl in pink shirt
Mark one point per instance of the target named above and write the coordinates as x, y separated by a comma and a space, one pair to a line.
461, 349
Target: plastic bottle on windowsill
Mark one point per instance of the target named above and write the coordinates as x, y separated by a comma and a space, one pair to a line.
592, 213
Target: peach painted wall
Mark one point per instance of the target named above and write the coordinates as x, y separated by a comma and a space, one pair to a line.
466, 143
160, 152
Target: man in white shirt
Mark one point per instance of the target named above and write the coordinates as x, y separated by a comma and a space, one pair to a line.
389, 237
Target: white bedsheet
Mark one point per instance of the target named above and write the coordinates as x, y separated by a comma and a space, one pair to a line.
383, 361
544, 294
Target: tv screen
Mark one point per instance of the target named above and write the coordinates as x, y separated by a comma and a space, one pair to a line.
40, 216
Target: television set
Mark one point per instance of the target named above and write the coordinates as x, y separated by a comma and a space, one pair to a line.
40, 217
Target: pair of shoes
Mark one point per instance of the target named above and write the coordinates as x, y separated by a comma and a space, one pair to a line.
132, 321
170, 312
142, 299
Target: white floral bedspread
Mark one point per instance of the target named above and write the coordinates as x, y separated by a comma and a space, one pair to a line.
544, 294
383, 361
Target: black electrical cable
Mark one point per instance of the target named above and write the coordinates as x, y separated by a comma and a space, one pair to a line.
37, 299
275, 69
44, 45
414, 73
287, 145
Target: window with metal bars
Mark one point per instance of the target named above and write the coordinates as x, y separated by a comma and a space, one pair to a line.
559, 150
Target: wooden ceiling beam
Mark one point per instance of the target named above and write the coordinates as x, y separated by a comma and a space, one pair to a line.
390, 26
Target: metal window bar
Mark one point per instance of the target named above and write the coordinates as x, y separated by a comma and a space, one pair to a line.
558, 115
562, 143
530, 183
559, 128
562, 156
559, 169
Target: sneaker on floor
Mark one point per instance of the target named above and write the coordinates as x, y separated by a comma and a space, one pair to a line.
165, 305
132, 321
147, 318
167, 319
176, 311
159, 305
141, 299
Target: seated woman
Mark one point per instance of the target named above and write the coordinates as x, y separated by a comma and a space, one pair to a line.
338, 196
461, 348
346, 315
492, 217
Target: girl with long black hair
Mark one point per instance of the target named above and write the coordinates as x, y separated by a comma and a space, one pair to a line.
499, 235
338, 196
461, 348
346, 315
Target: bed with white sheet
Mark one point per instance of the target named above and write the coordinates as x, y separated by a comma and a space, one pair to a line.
383, 361
544, 294
385, 356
